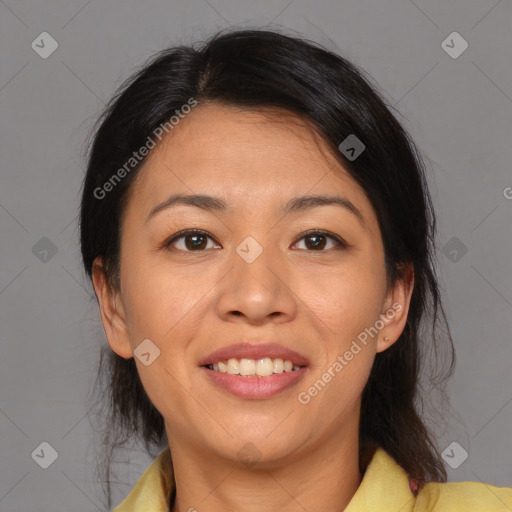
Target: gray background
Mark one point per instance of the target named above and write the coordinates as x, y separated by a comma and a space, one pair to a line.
458, 110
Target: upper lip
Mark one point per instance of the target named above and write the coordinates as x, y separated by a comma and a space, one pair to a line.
254, 351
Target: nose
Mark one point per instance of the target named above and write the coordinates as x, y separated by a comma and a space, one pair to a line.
257, 293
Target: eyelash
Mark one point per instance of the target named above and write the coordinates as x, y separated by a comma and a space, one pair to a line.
340, 243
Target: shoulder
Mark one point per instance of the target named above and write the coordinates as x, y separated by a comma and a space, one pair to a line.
463, 497
154, 488
386, 487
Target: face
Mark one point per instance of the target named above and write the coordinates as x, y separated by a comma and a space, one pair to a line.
261, 266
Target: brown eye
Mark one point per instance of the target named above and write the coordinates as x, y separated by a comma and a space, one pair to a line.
320, 241
190, 241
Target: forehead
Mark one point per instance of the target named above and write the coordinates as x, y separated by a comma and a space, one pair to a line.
248, 157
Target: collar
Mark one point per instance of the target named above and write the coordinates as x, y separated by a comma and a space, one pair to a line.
384, 487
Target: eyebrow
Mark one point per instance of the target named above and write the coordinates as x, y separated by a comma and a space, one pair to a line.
296, 204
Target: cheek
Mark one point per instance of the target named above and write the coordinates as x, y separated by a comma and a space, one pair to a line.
162, 300
347, 299
166, 307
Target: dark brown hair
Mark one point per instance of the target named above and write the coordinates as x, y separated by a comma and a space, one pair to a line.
265, 69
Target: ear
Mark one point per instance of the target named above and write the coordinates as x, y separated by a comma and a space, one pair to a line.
111, 310
396, 308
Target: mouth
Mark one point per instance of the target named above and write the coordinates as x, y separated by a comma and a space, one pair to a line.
254, 371
263, 367
254, 387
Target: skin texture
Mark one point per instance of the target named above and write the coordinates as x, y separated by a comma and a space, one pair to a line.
315, 301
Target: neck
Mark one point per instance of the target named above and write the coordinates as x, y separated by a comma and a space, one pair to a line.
322, 479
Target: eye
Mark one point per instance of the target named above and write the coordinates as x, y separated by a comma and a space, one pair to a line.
194, 240
190, 240
320, 240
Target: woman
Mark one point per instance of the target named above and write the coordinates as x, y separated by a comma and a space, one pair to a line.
260, 237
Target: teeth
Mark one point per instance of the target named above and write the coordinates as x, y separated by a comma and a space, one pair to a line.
254, 367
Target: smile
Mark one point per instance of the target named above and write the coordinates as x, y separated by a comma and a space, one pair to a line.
262, 367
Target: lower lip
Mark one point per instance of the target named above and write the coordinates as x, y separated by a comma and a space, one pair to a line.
255, 387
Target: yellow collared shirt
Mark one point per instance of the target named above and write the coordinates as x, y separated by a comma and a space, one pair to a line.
384, 488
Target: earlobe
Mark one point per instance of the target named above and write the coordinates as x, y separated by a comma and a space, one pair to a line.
396, 308
111, 311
